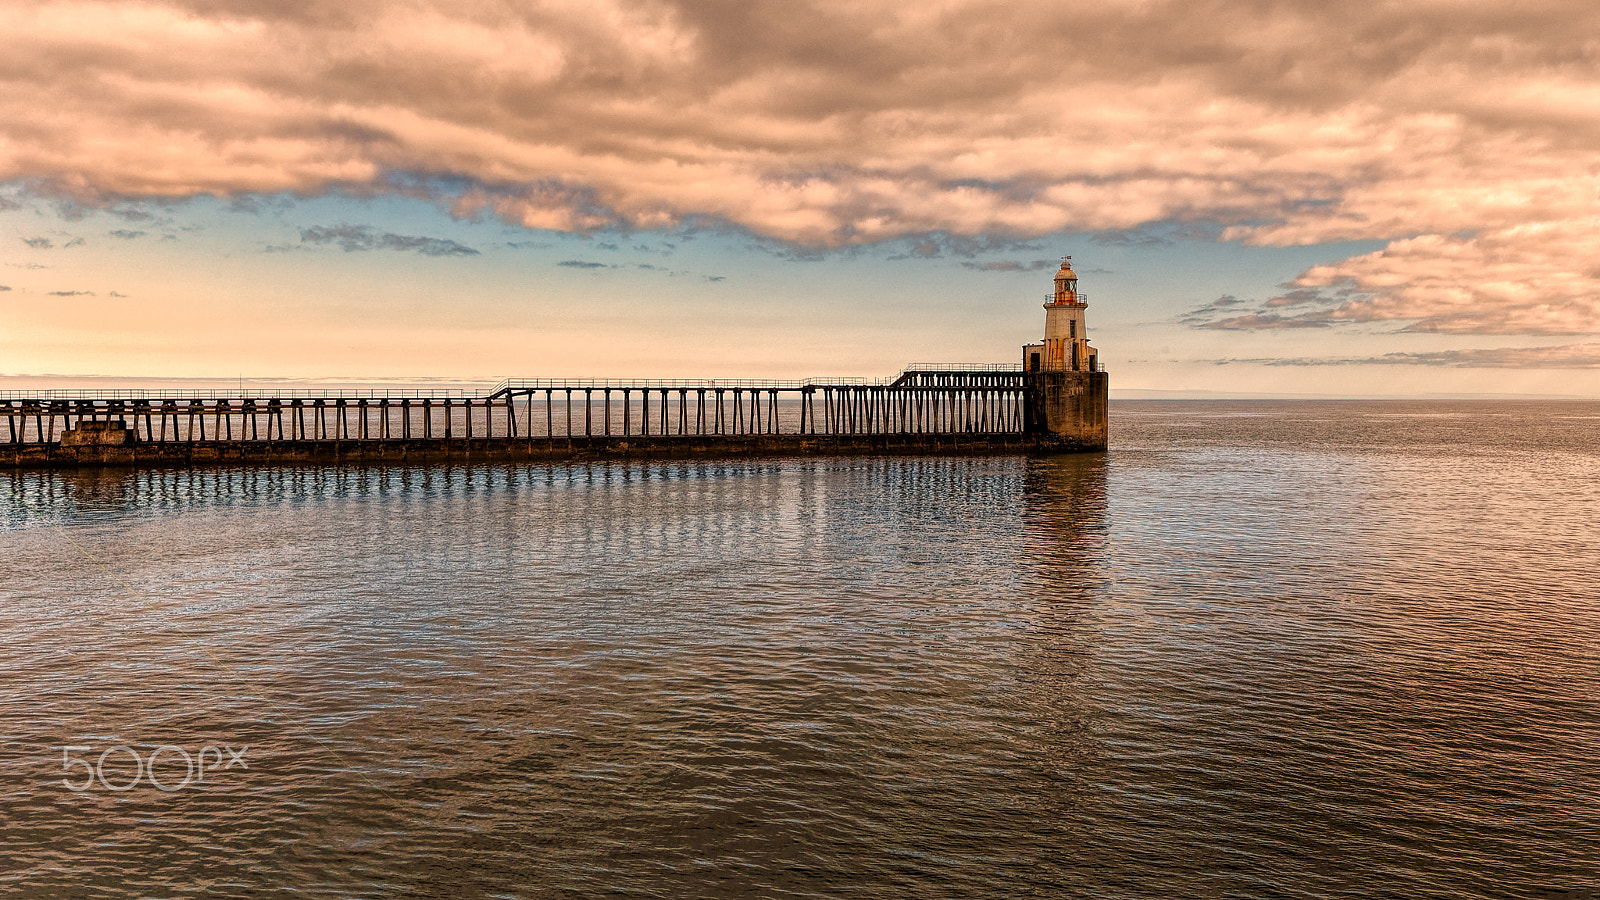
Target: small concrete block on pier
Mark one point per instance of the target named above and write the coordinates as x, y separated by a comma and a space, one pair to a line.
109, 433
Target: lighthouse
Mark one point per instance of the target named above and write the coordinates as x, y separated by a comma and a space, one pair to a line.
1068, 392
1066, 338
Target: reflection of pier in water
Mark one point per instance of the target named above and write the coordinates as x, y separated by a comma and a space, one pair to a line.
1064, 516
945, 409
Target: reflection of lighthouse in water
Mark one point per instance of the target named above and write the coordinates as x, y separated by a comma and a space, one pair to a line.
1066, 338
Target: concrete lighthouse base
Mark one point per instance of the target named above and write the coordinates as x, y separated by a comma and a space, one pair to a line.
1069, 409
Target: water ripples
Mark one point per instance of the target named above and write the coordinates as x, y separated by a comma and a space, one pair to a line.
1303, 650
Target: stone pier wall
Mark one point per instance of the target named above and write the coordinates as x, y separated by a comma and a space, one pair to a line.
1070, 409
499, 450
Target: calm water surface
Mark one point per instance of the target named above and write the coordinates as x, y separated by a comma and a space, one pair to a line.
1258, 650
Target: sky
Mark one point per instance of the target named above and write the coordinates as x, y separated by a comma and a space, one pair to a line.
1260, 198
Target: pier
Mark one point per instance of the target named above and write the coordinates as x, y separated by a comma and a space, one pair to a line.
946, 409
1055, 400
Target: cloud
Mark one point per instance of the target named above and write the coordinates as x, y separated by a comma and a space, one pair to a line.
1528, 279
1568, 356
1524, 280
643, 267
72, 293
937, 244
1011, 265
126, 234
5, 287
1297, 297
75, 242
1448, 131
1258, 322
354, 238
1141, 237
255, 204
39, 243
1205, 316
115, 294
1565, 356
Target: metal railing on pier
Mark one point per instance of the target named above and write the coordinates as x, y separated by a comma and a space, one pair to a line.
239, 394
961, 367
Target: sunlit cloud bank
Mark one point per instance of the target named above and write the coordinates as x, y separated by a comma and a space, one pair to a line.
1534, 278
1467, 135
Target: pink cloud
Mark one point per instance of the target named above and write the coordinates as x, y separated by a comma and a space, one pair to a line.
830, 124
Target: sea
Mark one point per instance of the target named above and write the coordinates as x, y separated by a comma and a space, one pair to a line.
1259, 649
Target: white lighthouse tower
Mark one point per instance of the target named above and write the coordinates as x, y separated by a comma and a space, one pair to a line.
1066, 339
